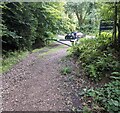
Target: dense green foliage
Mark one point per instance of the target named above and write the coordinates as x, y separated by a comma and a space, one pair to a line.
101, 61
107, 97
28, 25
97, 56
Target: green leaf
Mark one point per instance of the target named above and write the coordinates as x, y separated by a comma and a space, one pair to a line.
115, 73
116, 103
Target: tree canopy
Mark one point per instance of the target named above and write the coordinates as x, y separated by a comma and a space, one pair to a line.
26, 25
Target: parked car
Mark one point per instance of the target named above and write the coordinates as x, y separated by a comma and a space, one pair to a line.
71, 36
74, 35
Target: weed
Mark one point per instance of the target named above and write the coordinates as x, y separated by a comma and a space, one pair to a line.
66, 70
86, 109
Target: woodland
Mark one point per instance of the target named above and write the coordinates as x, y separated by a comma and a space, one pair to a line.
26, 26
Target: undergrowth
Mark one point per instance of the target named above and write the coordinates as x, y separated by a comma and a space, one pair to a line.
97, 56
100, 60
106, 99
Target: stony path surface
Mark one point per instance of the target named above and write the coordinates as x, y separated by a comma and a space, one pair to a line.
36, 84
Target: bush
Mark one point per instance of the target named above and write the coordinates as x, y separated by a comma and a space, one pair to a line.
97, 56
26, 25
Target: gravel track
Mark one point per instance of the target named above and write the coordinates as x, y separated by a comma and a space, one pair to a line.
36, 84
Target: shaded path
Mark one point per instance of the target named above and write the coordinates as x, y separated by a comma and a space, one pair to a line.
35, 84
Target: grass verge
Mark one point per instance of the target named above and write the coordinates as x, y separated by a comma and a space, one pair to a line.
11, 59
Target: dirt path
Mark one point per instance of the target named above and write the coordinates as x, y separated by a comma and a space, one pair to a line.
36, 84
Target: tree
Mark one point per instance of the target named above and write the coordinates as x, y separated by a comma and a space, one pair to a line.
81, 10
118, 9
28, 24
19, 22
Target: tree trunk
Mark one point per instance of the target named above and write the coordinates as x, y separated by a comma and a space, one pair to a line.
119, 32
79, 19
115, 24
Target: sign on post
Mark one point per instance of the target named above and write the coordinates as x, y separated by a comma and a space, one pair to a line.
106, 25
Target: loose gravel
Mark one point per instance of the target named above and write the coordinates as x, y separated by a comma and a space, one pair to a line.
36, 84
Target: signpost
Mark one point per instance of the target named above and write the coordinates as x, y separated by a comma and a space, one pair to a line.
106, 25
